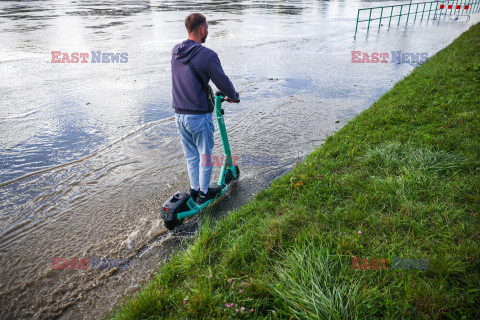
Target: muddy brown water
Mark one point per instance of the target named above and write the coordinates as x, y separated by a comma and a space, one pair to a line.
89, 152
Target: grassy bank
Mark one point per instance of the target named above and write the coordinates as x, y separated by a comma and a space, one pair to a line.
400, 182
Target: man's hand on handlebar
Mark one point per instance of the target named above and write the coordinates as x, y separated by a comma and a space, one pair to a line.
231, 100
225, 98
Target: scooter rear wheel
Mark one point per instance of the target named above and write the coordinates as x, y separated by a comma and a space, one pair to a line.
172, 224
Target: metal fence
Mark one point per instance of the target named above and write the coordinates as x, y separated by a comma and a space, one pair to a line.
434, 9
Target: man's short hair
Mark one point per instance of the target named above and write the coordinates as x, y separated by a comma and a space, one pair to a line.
194, 21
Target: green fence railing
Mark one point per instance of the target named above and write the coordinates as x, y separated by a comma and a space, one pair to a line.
434, 9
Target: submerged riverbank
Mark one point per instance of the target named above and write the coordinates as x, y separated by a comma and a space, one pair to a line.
380, 221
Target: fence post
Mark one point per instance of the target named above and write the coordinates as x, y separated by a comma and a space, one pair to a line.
451, 9
369, 17
429, 10
356, 27
389, 21
409, 7
400, 14
380, 22
455, 12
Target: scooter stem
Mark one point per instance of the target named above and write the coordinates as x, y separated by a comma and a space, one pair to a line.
223, 135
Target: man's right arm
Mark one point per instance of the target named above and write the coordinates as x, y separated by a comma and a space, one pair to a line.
219, 78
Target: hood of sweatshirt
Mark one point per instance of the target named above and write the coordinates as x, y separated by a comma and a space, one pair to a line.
186, 50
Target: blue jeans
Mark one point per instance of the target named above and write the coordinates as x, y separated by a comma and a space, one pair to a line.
196, 134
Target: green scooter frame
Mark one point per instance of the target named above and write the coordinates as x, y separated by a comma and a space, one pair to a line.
181, 205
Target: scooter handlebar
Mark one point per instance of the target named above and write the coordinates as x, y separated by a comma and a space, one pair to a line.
219, 93
231, 100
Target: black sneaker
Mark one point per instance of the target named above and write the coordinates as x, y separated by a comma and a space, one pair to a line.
211, 194
194, 194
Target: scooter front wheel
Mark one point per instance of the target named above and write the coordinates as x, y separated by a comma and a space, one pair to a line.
229, 177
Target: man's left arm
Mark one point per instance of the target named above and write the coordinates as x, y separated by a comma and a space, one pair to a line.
219, 78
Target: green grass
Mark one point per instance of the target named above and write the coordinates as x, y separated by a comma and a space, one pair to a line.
405, 172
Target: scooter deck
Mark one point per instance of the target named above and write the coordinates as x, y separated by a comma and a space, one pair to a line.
195, 208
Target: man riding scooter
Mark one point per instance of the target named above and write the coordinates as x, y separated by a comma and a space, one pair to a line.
193, 65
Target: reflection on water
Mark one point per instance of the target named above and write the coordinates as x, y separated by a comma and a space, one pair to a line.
89, 152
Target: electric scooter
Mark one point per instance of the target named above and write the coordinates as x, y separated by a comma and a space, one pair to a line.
181, 205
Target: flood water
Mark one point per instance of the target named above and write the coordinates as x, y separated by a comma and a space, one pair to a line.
89, 151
